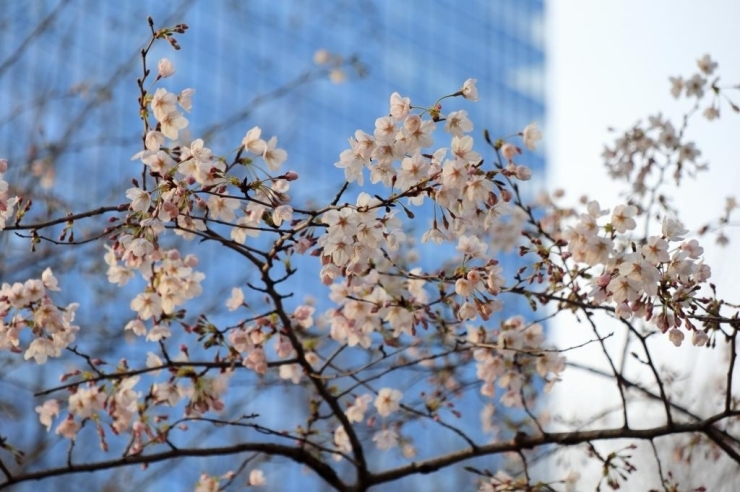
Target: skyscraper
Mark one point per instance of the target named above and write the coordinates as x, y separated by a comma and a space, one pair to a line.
68, 79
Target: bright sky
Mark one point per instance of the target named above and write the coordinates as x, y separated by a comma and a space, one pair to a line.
609, 66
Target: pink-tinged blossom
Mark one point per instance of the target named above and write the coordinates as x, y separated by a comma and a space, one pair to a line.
656, 250
623, 218
49, 280
711, 113
246, 226
624, 289
467, 311
454, 176
185, 99
636, 268
509, 151
469, 90
414, 169
165, 68
677, 86
353, 162
68, 428
140, 199
706, 64
495, 280
256, 360
48, 316
471, 247
117, 274
531, 135
356, 411
282, 213
434, 235
458, 123
41, 349
385, 153
34, 290
695, 86
676, 337
166, 394
236, 300
462, 148
597, 250
341, 441
303, 315
47, 412
163, 103
400, 106
273, 156
665, 320
137, 327
256, 478
464, 287
221, 207
692, 248
477, 189
385, 130
673, 230
153, 360
159, 161
387, 401
252, 141
171, 123
126, 404
158, 332
702, 273
147, 305
417, 133
385, 439
699, 338
154, 140
86, 402
294, 372
523, 173
533, 336
206, 483
198, 152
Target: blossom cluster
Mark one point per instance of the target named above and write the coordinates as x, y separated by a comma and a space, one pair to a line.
508, 357
7, 204
657, 281
696, 85
28, 305
381, 298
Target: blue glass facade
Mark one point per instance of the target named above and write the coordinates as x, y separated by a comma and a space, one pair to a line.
68, 89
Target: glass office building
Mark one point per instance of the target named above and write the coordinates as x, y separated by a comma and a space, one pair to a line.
68, 88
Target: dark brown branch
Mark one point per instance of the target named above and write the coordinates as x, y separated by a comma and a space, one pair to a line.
658, 380
730, 370
298, 455
616, 373
68, 218
559, 438
144, 370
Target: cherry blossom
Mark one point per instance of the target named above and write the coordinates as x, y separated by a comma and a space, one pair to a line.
469, 90
412, 273
387, 401
531, 135
165, 68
